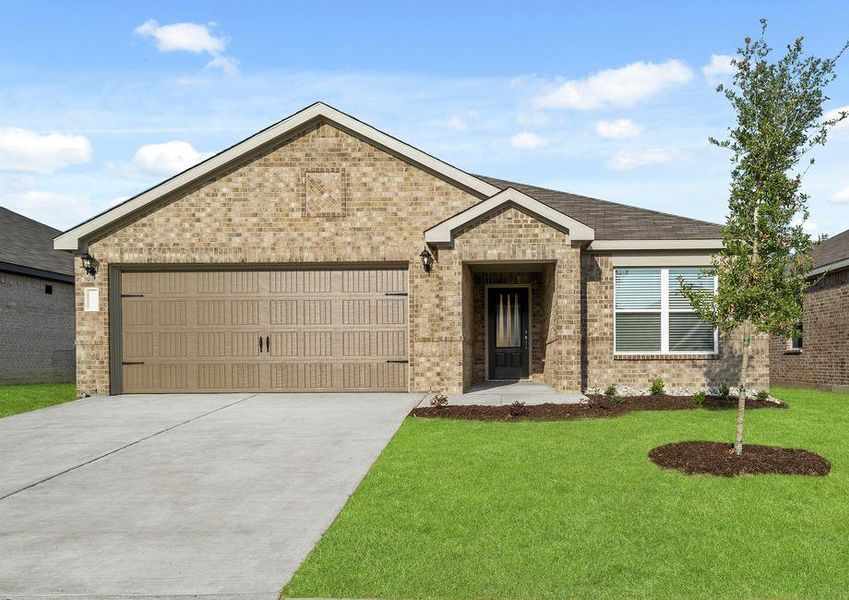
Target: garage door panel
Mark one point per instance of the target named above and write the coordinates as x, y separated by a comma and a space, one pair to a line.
320, 330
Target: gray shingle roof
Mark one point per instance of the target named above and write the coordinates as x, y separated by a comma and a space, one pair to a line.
28, 243
613, 221
831, 250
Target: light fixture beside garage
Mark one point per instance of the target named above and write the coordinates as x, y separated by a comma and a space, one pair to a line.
427, 260
89, 264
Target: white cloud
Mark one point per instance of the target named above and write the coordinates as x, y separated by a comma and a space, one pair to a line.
719, 68
525, 140
458, 123
809, 226
841, 196
625, 86
631, 159
618, 129
52, 208
167, 158
834, 113
26, 150
190, 37
228, 64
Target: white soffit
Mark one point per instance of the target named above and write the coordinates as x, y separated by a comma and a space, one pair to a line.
73, 238
443, 233
599, 245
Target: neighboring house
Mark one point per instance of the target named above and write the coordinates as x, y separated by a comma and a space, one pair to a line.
300, 259
819, 357
36, 303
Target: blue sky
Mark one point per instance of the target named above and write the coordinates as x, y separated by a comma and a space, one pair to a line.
614, 100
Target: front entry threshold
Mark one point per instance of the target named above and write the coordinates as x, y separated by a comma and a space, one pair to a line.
496, 393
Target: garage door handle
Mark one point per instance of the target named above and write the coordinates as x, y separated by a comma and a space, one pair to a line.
260, 344
267, 344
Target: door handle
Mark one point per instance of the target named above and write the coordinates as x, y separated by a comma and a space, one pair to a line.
267, 344
260, 344
525, 338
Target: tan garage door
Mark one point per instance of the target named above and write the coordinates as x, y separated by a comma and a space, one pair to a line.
280, 331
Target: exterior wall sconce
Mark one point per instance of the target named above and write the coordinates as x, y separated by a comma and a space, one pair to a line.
427, 260
89, 264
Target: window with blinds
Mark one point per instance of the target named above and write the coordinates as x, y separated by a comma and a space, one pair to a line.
652, 316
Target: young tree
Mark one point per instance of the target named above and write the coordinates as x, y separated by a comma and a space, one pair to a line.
762, 268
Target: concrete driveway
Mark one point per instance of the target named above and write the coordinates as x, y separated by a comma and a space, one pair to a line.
170, 495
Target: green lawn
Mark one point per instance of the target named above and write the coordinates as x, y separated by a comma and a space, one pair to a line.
16, 399
458, 509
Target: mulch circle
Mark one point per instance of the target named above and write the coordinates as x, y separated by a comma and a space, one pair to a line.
598, 407
715, 458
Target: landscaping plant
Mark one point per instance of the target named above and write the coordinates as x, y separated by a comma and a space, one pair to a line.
439, 401
657, 387
517, 408
763, 265
699, 398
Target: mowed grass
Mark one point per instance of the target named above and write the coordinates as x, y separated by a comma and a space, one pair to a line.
16, 399
456, 509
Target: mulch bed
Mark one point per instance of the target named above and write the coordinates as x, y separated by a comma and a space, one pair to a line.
598, 407
715, 458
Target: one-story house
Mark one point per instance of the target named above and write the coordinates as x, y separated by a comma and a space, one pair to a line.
324, 254
36, 303
818, 356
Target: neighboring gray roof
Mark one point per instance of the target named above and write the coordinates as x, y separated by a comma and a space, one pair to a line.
27, 246
613, 221
831, 250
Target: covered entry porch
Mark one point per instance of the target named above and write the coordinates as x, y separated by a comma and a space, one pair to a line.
512, 326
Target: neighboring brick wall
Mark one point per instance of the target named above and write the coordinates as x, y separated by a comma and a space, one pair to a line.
602, 368
255, 213
824, 359
36, 330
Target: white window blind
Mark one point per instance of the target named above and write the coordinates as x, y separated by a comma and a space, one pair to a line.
652, 315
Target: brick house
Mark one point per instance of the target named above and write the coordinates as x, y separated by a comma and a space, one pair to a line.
36, 303
323, 254
819, 357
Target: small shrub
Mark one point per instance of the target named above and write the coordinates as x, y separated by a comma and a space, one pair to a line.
724, 392
763, 395
439, 401
617, 399
657, 387
517, 409
699, 398
611, 391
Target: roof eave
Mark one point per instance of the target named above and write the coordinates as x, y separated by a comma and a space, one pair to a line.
667, 244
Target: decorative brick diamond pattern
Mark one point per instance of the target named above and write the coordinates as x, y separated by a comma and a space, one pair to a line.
325, 192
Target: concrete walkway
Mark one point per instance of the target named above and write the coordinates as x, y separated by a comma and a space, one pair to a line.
496, 393
180, 495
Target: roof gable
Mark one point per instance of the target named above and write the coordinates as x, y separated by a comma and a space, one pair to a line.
74, 239
443, 233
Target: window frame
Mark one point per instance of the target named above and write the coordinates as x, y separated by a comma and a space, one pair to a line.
664, 312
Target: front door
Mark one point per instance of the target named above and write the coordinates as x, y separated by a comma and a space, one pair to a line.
508, 327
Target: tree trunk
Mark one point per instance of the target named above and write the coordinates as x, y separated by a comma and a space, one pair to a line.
742, 388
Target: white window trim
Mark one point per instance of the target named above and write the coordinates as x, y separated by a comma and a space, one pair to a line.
664, 318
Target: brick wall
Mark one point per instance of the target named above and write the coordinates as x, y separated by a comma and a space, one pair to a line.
824, 360
256, 213
36, 330
691, 372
